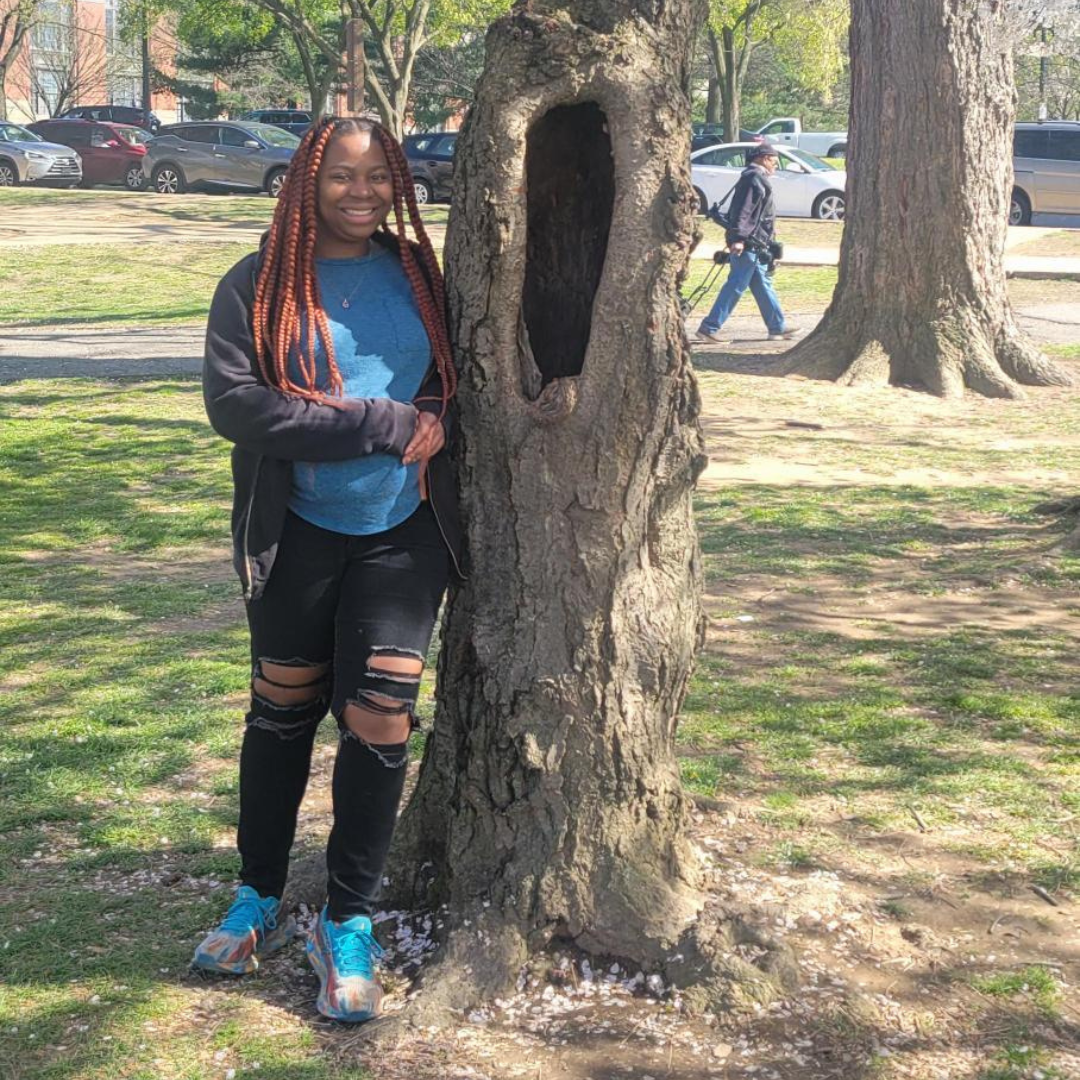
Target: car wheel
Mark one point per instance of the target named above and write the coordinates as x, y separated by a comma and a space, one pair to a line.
134, 178
702, 202
9, 175
424, 192
838, 151
1019, 208
168, 180
829, 206
275, 182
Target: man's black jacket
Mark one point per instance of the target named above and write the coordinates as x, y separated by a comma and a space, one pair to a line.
752, 217
270, 431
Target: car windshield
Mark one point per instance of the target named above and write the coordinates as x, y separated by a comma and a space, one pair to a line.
814, 164
275, 136
15, 133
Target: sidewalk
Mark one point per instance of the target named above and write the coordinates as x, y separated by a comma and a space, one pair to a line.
1022, 266
158, 352
57, 352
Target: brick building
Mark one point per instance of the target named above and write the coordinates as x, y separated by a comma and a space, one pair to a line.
74, 55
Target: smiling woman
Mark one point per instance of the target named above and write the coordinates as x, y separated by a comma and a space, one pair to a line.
328, 366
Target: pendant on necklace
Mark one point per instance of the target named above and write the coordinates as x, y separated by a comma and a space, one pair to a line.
344, 303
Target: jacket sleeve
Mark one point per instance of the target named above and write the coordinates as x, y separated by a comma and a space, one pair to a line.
747, 204
246, 411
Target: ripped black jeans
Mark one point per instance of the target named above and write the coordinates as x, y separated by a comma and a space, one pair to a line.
344, 620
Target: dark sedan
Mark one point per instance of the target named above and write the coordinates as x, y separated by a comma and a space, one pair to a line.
431, 162
295, 120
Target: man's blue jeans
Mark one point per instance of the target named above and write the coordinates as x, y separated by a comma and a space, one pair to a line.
746, 271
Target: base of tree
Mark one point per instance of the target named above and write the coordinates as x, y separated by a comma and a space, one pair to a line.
946, 357
723, 962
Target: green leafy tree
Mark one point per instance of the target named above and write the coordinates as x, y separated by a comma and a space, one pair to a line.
806, 37
395, 32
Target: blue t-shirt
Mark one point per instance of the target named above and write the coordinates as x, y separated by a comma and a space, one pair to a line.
382, 351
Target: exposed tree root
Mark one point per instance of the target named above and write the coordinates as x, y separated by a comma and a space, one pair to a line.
721, 962
946, 358
725, 962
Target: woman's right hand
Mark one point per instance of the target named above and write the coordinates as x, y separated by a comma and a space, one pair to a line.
428, 439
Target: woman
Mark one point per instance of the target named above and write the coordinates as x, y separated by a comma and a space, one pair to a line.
328, 366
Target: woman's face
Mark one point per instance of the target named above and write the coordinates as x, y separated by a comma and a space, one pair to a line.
355, 194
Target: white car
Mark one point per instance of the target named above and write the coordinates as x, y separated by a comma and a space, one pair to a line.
803, 185
27, 158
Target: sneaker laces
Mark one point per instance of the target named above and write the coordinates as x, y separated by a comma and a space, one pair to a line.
354, 950
248, 912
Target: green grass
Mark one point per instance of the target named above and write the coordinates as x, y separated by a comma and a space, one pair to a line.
125, 669
801, 288
959, 722
129, 284
125, 666
1037, 984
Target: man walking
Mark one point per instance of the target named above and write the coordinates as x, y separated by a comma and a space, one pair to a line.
751, 232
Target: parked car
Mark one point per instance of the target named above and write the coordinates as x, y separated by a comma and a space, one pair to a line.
1046, 170
703, 135
295, 120
114, 114
111, 153
26, 158
219, 155
788, 131
803, 185
431, 162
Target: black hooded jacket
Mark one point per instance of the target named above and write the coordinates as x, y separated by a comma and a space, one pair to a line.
752, 216
270, 431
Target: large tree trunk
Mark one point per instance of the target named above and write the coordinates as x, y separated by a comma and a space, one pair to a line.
921, 295
548, 803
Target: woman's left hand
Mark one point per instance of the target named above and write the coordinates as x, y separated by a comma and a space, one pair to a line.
428, 439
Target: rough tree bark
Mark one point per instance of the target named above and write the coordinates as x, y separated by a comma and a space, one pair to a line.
921, 296
548, 803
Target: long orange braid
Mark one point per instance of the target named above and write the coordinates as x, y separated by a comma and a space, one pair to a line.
288, 316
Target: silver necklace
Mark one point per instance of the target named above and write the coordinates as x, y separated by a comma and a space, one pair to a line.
352, 292
345, 299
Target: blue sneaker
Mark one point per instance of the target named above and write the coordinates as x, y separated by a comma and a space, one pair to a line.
249, 931
343, 956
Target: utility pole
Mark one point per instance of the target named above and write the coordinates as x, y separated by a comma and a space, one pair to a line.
354, 66
146, 93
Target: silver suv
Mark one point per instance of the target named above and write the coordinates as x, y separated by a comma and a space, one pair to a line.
27, 158
219, 155
1046, 168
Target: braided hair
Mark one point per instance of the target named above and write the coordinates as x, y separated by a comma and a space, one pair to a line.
288, 316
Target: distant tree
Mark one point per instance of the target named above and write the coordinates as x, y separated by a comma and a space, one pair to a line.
15, 24
806, 36
62, 72
1048, 64
263, 61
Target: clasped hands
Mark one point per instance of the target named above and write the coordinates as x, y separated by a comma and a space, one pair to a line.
428, 439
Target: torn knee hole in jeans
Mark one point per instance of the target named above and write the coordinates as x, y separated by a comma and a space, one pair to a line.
288, 684
390, 664
374, 707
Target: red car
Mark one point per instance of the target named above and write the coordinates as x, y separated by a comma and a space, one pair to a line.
111, 153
